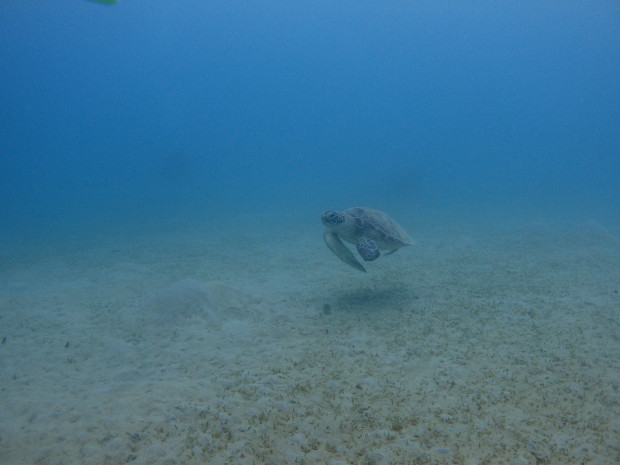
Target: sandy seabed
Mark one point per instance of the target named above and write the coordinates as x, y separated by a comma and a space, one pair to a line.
483, 344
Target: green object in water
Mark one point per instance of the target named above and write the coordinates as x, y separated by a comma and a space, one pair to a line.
106, 2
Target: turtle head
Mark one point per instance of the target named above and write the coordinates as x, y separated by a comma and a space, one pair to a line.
332, 218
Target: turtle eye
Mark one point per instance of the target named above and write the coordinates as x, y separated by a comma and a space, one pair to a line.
332, 217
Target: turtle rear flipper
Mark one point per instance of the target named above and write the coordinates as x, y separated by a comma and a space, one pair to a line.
368, 249
341, 251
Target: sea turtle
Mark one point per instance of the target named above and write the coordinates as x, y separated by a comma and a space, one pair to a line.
370, 230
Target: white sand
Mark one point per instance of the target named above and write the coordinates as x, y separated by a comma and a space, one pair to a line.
480, 345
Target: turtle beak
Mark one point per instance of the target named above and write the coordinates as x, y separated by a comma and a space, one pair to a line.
327, 217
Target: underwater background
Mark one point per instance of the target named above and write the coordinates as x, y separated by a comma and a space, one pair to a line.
165, 111
166, 295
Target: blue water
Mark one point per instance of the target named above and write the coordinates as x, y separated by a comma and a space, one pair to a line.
165, 110
141, 323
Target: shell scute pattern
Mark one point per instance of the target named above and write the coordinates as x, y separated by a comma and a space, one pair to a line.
377, 223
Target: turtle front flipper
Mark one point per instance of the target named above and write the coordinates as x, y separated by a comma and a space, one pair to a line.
341, 251
368, 249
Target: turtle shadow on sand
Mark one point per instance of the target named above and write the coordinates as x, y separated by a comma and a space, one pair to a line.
377, 299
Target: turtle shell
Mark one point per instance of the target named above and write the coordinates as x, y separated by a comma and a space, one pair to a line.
379, 226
